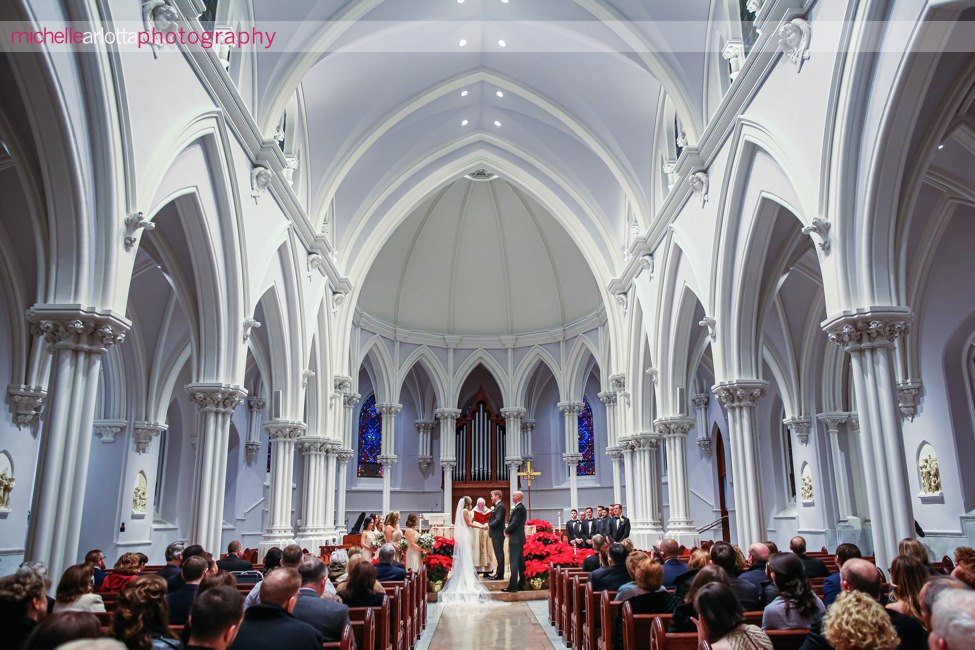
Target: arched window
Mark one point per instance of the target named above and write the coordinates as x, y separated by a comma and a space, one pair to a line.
587, 447
370, 440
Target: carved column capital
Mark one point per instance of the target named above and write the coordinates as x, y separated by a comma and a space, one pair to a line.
513, 412
868, 328
800, 426
349, 400
342, 384
26, 403
250, 451
424, 426
608, 398
740, 393
343, 455
907, 398
833, 420
617, 382
705, 445
108, 430
284, 430
255, 403
572, 459
389, 409
310, 446
616, 453
78, 328
673, 427
387, 460
570, 408
217, 398
528, 425
143, 434
447, 414
448, 464
701, 400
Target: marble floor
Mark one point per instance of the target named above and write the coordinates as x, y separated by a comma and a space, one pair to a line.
494, 625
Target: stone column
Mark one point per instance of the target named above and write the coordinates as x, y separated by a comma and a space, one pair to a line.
513, 454
78, 338
626, 446
613, 450
216, 403
448, 454
388, 458
346, 449
330, 458
312, 531
844, 504
869, 335
739, 399
342, 458
424, 432
570, 411
527, 429
616, 458
255, 406
674, 431
700, 403
643, 450
284, 435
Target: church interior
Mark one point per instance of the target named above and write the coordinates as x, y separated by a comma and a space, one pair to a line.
703, 259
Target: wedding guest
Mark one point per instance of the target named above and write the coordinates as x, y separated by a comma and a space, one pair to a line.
215, 618
391, 525
684, 612
796, 606
673, 567
930, 592
813, 566
907, 577
337, 563
965, 565
831, 585
600, 545
387, 569
141, 619
23, 603
312, 607
96, 559
699, 559
359, 591
74, 591
758, 556
414, 554
647, 597
291, 557
193, 550
748, 594
180, 601
235, 559
270, 624
613, 576
272, 559
60, 628
125, 570
721, 620
914, 549
353, 562
858, 622
632, 561
174, 560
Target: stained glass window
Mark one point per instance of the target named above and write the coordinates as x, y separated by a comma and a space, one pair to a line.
587, 446
370, 440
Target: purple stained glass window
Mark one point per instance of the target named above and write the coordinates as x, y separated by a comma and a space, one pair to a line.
587, 444
370, 440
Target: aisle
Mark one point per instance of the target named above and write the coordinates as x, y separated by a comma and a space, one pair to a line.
497, 625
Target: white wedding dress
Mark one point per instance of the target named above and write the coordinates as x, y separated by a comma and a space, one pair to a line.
463, 585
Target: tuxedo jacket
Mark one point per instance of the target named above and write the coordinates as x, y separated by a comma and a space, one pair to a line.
573, 530
588, 528
622, 528
516, 525
496, 522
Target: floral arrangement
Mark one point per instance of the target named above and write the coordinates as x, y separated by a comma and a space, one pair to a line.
540, 525
425, 541
377, 541
439, 559
402, 544
545, 548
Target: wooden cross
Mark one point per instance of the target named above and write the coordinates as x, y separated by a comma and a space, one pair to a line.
529, 474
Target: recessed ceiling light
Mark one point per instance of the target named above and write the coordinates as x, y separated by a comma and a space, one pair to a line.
497, 123
499, 94
941, 146
460, 2
502, 42
504, 2
463, 123
463, 42
463, 93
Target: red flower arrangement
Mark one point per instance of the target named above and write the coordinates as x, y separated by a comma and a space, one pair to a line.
442, 546
440, 559
545, 548
540, 525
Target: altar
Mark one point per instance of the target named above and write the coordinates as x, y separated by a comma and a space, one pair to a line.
438, 527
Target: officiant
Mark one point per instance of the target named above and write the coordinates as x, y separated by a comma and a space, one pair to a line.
483, 553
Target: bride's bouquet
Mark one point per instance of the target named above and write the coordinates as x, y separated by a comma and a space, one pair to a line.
425, 541
377, 541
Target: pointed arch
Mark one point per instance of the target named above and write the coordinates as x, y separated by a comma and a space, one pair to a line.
536, 357
577, 367
480, 357
377, 362
435, 371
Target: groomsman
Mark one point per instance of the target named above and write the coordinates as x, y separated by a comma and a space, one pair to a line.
622, 523
605, 525
573, 530
588, 528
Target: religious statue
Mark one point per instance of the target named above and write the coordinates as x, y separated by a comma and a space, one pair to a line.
806, 489
6, 485
930, 475
139, 499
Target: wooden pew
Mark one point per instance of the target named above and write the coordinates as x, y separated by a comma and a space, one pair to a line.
565, 603
347, 642
592, 601
577, 596
396, 621
609, 610
636, 628
787, 639
363, 621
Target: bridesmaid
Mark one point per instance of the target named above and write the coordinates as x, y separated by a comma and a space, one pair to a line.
414, 554
391, 526
365, 540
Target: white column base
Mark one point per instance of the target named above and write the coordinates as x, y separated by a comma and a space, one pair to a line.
312, 539
275, 537
686, 535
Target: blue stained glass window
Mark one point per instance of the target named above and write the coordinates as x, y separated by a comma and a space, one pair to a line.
370, 440
587, 445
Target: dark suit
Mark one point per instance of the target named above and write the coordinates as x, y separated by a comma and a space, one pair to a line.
573, 532
831, 589
673, 569
234, 563
610, 528
323, 614
390, 572
270, 626
591, 563
496, 532
748, 594
168, 571
622, 528
588, 530
610, 577
815, 568
756, 575
180, 602
516, 546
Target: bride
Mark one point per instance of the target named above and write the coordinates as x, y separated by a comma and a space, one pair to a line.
463, 585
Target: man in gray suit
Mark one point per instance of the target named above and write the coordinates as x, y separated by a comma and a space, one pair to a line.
323, 614
515, 532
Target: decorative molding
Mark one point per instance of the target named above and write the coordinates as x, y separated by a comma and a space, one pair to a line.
794, 41
734, 54
699, 182
833, 420
571, 459
673, 427
907, 398
256, 403
108, 430
446, 414
249, 325
513, 413
305, 376
143, 434
425, 463
216, 398
701, 400
7, 482
78, 328
820, 228
929, 472
608, 398
338, 297
806, 488
617, 382
709, 323
158, 15
653, 374
133, 224
389, 409
387, 460
349, 400
309, 446
250, 451
741, 393
706, 446
570, 408
646, 264
754, 6
868, 328
616, 453
800, 426
284, 430
342, 384
343, 455
26, 403
261, 178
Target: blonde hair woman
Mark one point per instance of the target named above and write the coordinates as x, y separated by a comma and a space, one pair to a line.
391, 525
858, 622
414, 554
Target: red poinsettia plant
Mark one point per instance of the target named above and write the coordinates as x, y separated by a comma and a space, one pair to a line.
440, 559
545, 548
442, 546
540, 525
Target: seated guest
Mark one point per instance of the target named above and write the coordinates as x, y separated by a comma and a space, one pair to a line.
831, 585
721, 620
174, 560
758, 556
748, 595
359, 591
40, 569
324, 614
930, 592
96, 559
953, 620
337, 563
272, 559
858, 622
699, 559
23, 602
614, 576
215, 618
75, 591
234, 560
684, 612
907, 576
673, 567
633, 559
597, 559
180, 601
141, 619
221, 579
270, 623
741, 565
387, 568
353, 562
965, 565
60, 628
648, 598
192, 550
290, 559
814, 567
143, 561
772, 547
914, 549
796, 607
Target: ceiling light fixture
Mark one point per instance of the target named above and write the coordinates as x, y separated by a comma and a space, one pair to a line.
463, 123
497, 123
463, 93
499, 94
460, 2
941, 146
504, 2
463, 42
502, 42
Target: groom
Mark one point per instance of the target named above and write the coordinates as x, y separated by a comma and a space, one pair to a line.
515, 532
496, 531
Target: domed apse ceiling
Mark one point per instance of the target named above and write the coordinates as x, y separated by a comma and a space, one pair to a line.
480, 258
